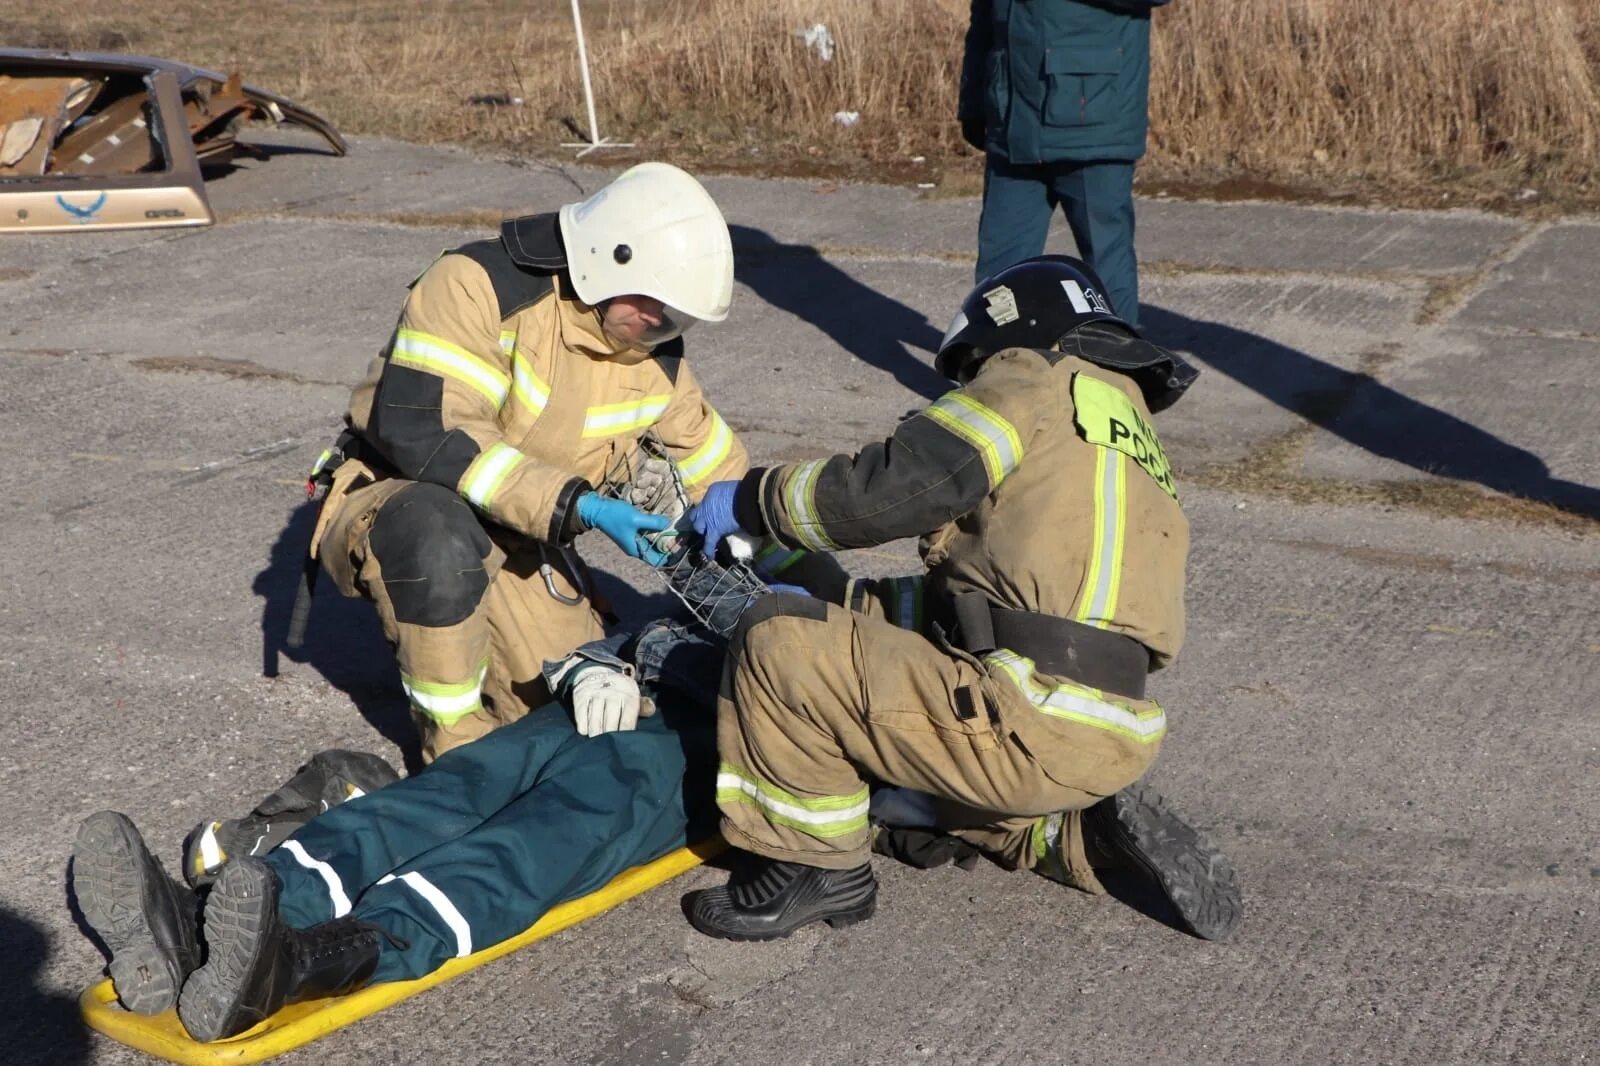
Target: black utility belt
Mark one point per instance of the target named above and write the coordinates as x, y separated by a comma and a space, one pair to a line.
1097, 658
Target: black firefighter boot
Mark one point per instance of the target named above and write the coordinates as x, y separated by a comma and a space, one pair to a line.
327, 780
256, 964
767, 900
147, 920
1134, 833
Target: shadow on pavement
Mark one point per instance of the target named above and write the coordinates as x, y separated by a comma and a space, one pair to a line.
343, 642
876, 329
36, 1025
1359, 409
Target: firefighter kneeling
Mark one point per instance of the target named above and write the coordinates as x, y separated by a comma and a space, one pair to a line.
1003, 690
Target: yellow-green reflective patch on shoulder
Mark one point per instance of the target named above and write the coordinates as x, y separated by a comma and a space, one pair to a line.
1107, 417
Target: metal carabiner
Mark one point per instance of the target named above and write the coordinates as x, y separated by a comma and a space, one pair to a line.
575, 569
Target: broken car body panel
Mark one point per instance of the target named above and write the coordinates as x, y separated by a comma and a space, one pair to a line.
93, 142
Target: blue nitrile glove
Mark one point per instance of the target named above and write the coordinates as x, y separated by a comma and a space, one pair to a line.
795, 590
624, 524
712, 517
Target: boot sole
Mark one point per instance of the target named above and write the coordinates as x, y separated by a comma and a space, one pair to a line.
107, 872
238, 918
1198, 879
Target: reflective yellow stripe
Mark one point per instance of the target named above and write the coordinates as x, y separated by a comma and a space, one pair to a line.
1097, 604
446, 703
1079, 703
527, 386
704, 460
982, 427
488, 472
508, 340
610, 419
436, 355
800, 499
1048, 859
822, 816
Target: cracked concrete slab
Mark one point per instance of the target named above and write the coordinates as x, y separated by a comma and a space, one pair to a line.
1548, 287
1430, 414
389, 177
1265, 237
1269, 348
1352, 719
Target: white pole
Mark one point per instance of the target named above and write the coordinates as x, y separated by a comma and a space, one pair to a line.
595, 140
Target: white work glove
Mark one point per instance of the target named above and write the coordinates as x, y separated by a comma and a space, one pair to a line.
604, 701
652, 491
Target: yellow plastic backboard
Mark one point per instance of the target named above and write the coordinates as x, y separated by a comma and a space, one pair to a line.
300, 1023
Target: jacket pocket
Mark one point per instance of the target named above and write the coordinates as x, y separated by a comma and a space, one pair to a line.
1081, 85
970, 723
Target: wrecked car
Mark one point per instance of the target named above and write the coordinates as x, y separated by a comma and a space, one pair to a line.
94, 142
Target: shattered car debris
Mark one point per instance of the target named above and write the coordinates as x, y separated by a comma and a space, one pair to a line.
91, 141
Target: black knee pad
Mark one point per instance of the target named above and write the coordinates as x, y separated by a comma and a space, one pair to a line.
431, 548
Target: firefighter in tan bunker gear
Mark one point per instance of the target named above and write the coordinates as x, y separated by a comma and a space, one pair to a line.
520, 369
1003, 691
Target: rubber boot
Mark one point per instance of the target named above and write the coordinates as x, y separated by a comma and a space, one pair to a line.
256, 964
327, 780
147, 920
1134, 833
768, 900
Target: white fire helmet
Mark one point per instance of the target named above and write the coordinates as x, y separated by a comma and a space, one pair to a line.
655, 232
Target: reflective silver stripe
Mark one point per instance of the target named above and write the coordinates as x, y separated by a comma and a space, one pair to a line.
853, 815
445, 703
341, 902
211, 854
439, 356
440, 903
1078, 703
487, 472
528, 386
616, 418
1105, 570
800, 491
984, 428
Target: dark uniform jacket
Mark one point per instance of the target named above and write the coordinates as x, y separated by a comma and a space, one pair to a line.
1059, 80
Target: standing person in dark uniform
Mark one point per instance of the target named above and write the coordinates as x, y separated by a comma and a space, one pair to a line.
1056, 92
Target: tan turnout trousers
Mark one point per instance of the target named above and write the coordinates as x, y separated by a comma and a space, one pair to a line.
817, 700
491, 663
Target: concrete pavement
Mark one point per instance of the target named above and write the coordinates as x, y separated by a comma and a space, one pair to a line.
1385, 712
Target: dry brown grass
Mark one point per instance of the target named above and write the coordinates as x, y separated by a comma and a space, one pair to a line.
1478, 98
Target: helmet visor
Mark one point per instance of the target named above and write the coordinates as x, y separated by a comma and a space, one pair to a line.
673, 323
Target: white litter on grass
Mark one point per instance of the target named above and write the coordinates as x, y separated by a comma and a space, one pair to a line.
819, 40
847, 118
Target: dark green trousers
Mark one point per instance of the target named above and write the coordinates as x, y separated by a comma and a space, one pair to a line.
1097, 199
478, 846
